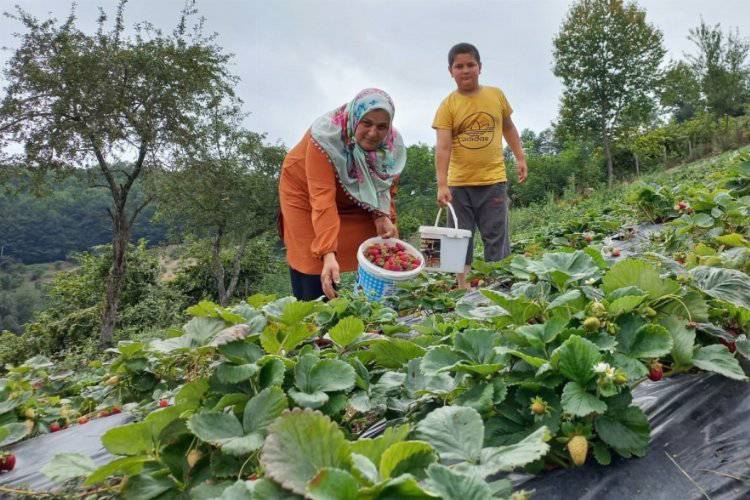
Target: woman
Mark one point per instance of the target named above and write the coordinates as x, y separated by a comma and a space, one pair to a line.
336, 190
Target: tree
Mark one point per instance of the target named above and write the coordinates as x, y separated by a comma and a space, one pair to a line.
124, 103
720, 65
681, 91
224, 188
608, 58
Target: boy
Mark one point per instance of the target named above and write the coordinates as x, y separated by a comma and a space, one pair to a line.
470, 124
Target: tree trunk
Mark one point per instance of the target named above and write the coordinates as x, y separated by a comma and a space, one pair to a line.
610, 166
219, 267
120, 238
690, 149
637, 165
664, 152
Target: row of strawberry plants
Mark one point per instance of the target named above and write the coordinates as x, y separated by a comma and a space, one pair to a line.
539, 375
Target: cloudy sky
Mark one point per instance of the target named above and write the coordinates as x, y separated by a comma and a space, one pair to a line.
300, 58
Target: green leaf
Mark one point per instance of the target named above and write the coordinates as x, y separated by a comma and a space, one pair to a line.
146, 487
201, 330
295, 312
263, 409
126, 466
332, 484
394, 353
683, 340
241, 352
633, 272
129, 439
625, 304
579, 402
437, 359
364, 468
191, 394
743, 345
214, 427
299, 444
506, 458
627, 431
347, 330
373, 448
448, 483
232, 374
576, 358
728, 285
456, 433
480, 397
407, 457
313, 400
402, 487
717, 358
477, 345
571, 299
639, 339
332, 375
271, 372
733, 240
65, 466
601, 453
13, 433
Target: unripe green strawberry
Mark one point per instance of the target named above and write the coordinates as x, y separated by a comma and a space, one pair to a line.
592, 324
578, 447
621, 378
598, 309
649, 311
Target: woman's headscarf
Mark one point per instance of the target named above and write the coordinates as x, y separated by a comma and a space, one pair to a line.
365, 175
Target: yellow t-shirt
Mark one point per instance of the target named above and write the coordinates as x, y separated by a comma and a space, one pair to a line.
476, 122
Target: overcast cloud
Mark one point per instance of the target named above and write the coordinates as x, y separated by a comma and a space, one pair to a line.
298, 59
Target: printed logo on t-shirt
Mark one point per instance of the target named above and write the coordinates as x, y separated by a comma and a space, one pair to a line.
476, 131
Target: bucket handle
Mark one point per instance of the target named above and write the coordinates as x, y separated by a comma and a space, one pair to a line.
453, 213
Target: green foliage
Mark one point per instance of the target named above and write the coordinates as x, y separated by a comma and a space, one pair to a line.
75, 297
68, 216
608, 58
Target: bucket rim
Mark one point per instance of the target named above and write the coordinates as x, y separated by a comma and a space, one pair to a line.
381, 273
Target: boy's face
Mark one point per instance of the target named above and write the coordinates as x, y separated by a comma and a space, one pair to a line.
465, 71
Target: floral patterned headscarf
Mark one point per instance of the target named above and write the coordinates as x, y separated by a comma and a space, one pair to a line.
366, 176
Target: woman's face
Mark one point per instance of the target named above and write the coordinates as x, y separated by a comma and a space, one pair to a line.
372, 129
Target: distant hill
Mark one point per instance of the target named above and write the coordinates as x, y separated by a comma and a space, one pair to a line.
71, 218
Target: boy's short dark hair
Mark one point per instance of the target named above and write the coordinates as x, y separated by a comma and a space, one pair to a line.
462, 48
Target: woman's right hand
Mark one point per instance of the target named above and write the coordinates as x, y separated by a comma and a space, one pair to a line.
444, 195
330, 275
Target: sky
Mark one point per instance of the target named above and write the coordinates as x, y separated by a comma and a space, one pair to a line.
297, 59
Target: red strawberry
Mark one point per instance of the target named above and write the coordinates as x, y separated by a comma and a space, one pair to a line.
116, 410
656, 371
83, 420
475, 282
7, 462
54, 427
730, 344
104, 413
616, 252
163, 403
321, 343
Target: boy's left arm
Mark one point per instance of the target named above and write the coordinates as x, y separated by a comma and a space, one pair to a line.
514, 141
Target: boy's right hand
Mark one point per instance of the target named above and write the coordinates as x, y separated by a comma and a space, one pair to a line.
444, 195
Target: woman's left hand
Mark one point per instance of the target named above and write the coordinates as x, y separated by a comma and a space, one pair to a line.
385, 228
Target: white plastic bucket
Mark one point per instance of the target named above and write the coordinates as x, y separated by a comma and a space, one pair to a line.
444, 248
376, 282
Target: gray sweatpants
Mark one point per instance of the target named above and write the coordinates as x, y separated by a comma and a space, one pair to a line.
485, 207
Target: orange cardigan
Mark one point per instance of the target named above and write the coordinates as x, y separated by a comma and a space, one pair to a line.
317, 215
